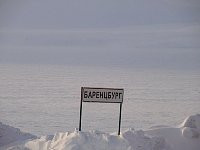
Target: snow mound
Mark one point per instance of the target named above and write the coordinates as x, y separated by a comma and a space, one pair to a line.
186, 137
10, 134
95, 140
191, 126
139, 141
190, 132
92, 140
192, 121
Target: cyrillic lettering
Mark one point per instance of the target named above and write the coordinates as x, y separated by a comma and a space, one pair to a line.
85, 94
97, 94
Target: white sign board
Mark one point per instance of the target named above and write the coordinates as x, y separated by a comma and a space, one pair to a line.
102, 95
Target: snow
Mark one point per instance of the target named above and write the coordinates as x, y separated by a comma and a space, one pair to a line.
45, 99
191, 127
10, 135
184, 137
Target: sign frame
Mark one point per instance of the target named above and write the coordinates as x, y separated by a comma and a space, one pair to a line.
107, 94
95, 101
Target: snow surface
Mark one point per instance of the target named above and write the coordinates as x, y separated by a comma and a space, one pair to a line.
44, 99
10, 134
185, 137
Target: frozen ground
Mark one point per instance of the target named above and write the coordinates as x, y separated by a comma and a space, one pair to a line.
184, 137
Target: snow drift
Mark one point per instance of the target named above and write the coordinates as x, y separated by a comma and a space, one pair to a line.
185, 137
10, 135
191, 126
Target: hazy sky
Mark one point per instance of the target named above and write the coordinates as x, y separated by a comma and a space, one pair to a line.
134, 33
95, 13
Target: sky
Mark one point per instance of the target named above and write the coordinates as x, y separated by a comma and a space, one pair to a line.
128, 33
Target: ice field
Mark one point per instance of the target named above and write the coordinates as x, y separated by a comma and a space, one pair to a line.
45, 99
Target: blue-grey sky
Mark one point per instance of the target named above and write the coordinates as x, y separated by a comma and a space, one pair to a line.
129, 33
95, 13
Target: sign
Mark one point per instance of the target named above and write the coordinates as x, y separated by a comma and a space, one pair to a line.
102, 95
